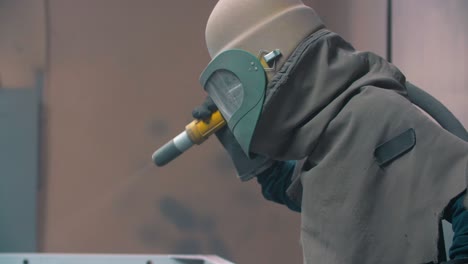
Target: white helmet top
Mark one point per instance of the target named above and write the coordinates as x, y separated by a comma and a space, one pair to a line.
260, 25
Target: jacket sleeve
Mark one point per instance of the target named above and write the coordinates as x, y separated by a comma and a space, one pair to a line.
275, 181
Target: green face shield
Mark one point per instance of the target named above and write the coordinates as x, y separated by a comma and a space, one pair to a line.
236, 81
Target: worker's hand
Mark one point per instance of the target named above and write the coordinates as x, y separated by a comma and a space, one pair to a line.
205, 110
246, 168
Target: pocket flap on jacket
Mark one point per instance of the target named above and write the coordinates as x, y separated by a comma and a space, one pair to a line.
395, 147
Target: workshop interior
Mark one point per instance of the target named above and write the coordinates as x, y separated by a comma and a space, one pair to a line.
89, 90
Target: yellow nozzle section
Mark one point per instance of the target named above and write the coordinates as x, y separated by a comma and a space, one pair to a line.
200, 130
263, 62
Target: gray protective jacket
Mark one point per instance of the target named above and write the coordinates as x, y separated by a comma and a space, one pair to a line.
375, 173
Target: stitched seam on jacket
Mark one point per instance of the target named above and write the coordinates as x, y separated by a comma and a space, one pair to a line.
282, 76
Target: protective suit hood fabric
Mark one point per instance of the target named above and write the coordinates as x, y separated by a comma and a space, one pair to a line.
330, 107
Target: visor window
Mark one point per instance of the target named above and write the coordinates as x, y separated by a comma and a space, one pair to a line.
227, 92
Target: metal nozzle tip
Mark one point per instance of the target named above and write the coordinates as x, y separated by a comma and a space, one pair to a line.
166, 154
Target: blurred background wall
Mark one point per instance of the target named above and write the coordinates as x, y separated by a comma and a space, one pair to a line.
430, 45
121, 78
22, 67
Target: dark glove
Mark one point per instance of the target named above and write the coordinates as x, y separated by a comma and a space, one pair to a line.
205, 110
246, 168
275, 182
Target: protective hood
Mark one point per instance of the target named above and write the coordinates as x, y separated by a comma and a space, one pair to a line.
375, 173
311, 88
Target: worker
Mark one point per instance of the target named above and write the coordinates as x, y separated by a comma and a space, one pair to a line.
330, 132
